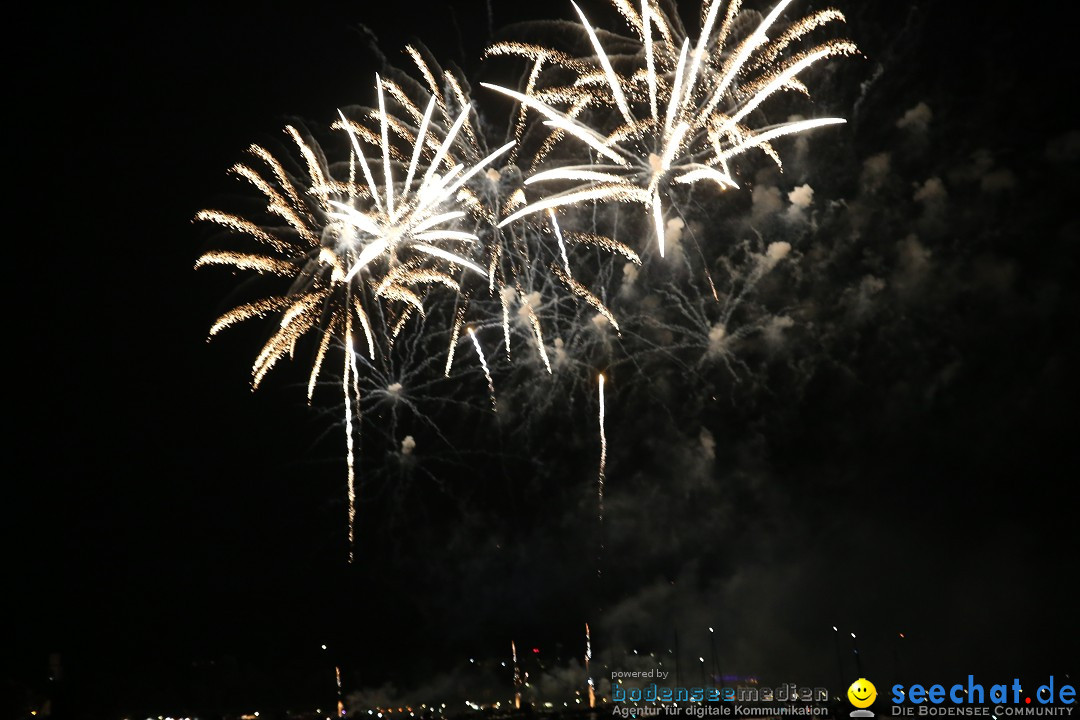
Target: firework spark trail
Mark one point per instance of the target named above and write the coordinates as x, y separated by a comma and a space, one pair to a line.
350, 451
583, 292
517, 676
700, 327
603, 459
484, 365
511, 253
520, 290
577, 336
399, 389
562, 245
459, 320
539, 333
559, 329
588, 671
505, 296
340, 699
523, 291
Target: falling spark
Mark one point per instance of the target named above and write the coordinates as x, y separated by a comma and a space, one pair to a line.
603, 453
350, 451
562, 245
517, 676
484, 365
340, 701
588, 672
583, 292
600, 477
459, 320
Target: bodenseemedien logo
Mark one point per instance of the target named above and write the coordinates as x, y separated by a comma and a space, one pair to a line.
862, 694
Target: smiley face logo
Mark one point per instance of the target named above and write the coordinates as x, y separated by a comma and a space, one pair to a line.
862, 693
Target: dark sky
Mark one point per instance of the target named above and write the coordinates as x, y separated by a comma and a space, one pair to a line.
893, 451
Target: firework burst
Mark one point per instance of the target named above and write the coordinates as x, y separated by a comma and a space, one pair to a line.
699, 330
506, 254
677, 116
423, 223
371, 244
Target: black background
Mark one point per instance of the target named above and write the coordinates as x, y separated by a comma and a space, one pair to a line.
161, 517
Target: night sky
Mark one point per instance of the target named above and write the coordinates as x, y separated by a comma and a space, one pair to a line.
892, 451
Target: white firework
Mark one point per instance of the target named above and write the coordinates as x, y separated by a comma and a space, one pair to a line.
371, 245
683, 113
